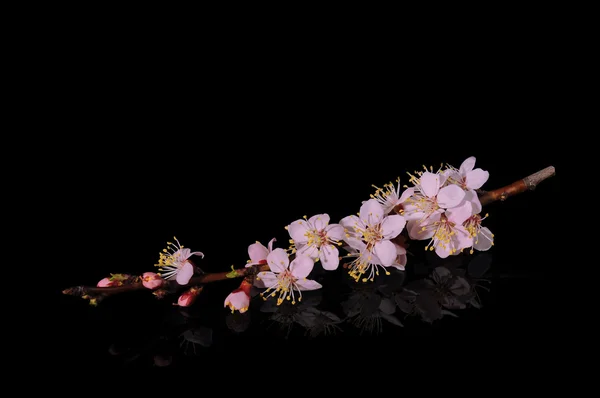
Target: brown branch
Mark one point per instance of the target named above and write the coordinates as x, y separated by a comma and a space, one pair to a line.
170, 285
526, 184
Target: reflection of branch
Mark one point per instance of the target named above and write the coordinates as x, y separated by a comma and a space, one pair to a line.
526, 184
171, 285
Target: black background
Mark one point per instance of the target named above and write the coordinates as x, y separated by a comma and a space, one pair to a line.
225, 153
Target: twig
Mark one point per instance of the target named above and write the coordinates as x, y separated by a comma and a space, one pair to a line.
526, 184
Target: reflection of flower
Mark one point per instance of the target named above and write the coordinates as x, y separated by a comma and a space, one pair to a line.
285, 277
174, 263
370, 234
239, 299
317, 239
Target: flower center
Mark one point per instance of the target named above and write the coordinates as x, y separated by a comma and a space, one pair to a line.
316, 238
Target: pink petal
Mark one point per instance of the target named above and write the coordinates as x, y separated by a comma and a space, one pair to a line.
329, 256
183, 254
442, 250
257, 251
459, 215
386, 251
185, 273
472, 197
476, 178
106, 282
270, 245
392, 226
400, 262
265, 279
350, 222
197, 254
450, 196
335, 231
301, 266
355, 243
308, 284
237, 300
462, 239
278, 260
371, 212
297, 231
408, 192
400, 250
311, 251
467, 165
411, 215
430, 184
319, 222
483, 240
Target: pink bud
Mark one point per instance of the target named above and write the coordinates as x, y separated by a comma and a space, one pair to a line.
106, 282
152, 280
239, 299
188, 297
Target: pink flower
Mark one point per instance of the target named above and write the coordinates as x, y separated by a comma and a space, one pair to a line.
258, 253
188, 297
430, 197
107, 282
174, 263
466, 177
285, 277
446, 230
317, 239
152, 280
239, 299
370, 235
389, 196
482, 237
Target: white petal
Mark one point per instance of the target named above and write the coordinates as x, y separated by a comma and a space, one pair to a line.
371, 212
335, 231
185, 273
467, 165
450, 196
297, 231
308, 284
319, 222
483, 240
265, 279
301, 266
386, 251
278, 260
329, 256
476, 178
459, 215
392, 226
308, 250
430, 184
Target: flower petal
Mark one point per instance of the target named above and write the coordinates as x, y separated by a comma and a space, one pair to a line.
329, 256
257, 251
278, 260
308, 284
392, 226
408, 192
400, 250
461, 239
270, 245
400, 262
450, 196
185, 273
311, 251
371, 212
467, 165
430, 184
297, 231
355, 243
301, 266
476, 178
442, 250
386, 251
335, 231
484, 239
265, 279
319, 222
459, 215
472, 197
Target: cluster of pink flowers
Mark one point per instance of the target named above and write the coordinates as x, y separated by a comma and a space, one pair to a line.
442, 207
